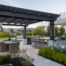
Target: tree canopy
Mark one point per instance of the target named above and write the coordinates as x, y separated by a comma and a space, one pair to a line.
59, 32
38, 31
62, 30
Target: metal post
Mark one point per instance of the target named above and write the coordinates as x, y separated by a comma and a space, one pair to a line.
24, 32
52, 30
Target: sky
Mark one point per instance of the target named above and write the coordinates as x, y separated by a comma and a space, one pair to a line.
51, 6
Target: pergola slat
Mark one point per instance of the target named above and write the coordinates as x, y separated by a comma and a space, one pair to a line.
25, 17
15, 13
11, 14
13, 25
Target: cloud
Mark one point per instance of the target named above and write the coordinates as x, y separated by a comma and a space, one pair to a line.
13, 3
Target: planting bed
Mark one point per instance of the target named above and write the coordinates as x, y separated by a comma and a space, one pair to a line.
16, 62
53, 60
51, 54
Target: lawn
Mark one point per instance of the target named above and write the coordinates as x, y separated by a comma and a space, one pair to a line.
6, 38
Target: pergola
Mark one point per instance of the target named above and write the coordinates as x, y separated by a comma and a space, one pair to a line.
14, 16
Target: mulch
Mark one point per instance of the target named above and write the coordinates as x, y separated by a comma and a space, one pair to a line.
16, 62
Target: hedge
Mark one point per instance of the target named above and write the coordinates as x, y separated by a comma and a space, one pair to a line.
52, 54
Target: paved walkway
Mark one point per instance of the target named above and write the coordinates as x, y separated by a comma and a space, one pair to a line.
39, 61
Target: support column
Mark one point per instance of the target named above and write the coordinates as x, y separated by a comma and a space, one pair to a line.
51, 42
25, 40
24, 32
52, 30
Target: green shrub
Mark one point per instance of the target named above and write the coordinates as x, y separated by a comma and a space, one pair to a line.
1, 34
28, 33
28, 60
40, 51
6, 34
18, 33
5, 58
65, 60
28, 38
52, 54
60, 57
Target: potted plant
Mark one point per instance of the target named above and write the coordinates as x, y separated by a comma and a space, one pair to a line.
29, 40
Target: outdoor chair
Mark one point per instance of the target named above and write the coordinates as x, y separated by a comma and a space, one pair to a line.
37, 43
9, 39
33, 42
3, 47
14, 47
41, 43
45, 43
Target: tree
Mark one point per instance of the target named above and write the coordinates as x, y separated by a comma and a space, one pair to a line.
56, 31
19, 33
6, 34
62, 30
1, 29
48, 30
27, 33
32, 32
12, 30
19, 30
38, 31
44, 32
11, 34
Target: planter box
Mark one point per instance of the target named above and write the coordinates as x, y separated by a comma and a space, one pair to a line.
29, 42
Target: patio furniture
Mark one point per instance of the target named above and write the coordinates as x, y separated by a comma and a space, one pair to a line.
3, 47
39, 43
9, 46
14, 47
45, 43
33, 42
9, 39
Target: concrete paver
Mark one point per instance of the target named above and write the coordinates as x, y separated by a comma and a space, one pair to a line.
33, 53
39, 61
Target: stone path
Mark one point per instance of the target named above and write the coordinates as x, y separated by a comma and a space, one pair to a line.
39, 61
